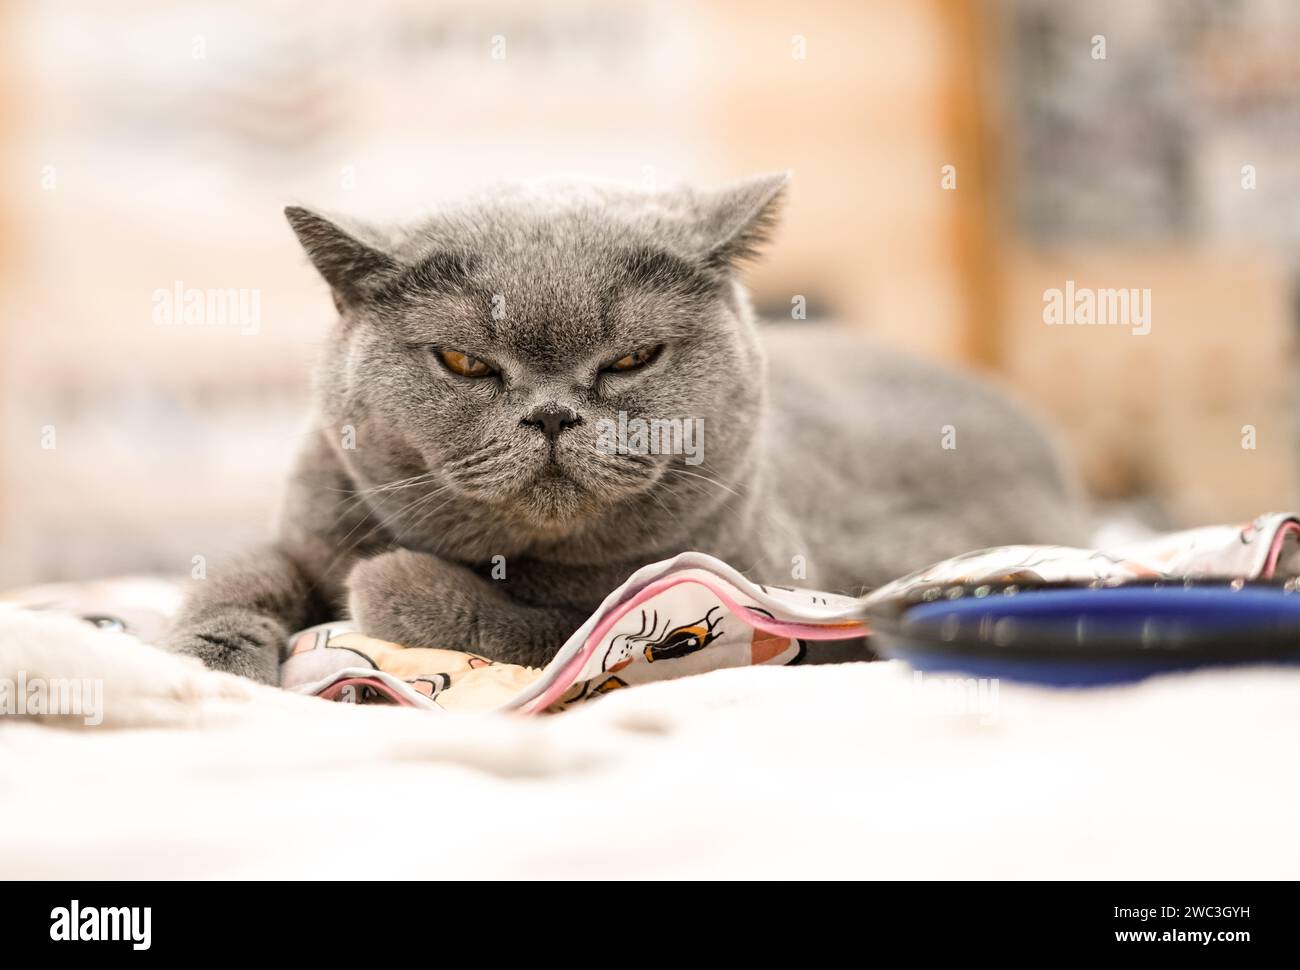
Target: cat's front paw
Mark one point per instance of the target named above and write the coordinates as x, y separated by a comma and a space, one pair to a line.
239, 642
419, 600
415, 600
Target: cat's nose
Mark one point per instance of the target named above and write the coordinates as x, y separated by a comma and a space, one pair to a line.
551, 419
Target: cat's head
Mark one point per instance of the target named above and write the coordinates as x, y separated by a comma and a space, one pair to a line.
516, 350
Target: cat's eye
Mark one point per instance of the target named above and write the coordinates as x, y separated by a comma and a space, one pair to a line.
465, 365
636, 359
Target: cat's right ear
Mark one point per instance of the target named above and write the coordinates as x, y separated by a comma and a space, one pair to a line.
352, 268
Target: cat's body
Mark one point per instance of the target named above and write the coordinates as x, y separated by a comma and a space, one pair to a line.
459, 494
889, 463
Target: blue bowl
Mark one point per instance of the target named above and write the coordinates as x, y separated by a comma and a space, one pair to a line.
1081, 636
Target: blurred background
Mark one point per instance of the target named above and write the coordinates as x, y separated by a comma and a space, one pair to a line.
953, 160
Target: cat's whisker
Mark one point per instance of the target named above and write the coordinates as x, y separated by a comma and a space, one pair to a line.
410, 506
492, 449
401, 483
661, 503
712, 481
358, 496
430, 513
765, 516
386, 486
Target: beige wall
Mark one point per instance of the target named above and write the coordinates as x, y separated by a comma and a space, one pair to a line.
1164, 413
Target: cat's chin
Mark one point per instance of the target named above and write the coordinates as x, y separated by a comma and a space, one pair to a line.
556, 502
553, 504
566, 491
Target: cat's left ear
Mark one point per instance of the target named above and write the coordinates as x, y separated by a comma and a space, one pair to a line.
738, 219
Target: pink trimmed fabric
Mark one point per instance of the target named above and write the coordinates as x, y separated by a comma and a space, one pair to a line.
723, 591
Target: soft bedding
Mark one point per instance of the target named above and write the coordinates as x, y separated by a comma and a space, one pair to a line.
867, 770
859, 770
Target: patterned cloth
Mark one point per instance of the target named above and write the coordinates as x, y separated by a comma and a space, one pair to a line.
684, 616
1267, 548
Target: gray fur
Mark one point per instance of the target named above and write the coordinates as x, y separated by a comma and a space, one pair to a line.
817, 444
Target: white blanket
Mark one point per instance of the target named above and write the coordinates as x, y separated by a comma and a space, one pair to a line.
849, 771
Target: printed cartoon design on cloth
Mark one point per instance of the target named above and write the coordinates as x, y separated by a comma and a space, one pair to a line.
343, 665
684, 616
694, 614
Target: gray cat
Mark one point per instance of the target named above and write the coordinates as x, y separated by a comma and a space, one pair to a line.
474, 486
